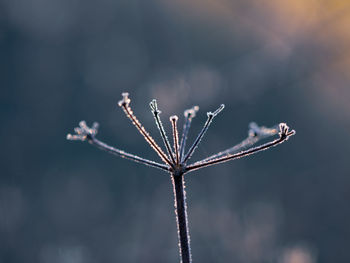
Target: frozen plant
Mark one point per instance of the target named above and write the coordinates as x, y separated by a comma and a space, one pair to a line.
176, 159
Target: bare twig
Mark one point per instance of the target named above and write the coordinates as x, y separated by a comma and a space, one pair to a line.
85, 133
211, 116
189, 115
173, 120
255, 134
284, 135
124, 103
156, 112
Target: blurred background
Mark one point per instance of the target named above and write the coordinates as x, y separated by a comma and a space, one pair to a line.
268, 61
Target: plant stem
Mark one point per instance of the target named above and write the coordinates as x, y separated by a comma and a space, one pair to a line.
181, 216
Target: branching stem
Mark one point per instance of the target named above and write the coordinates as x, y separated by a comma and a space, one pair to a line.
189, 115
125, 106
211, 116
103, 146
156, 116
173, 120
255, 134
241, 154
176, 161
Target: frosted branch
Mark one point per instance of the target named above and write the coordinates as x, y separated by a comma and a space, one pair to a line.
284, 135
124, 104
211, 116
255, 134
156, 112
189, 115
83, 133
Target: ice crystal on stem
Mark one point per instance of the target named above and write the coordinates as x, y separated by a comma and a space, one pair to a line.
83, 132
175, 160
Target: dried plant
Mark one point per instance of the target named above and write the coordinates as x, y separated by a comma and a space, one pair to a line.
175, 160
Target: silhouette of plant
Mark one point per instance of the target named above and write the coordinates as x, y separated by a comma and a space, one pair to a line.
176, 161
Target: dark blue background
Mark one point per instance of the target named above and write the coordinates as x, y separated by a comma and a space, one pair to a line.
268, 61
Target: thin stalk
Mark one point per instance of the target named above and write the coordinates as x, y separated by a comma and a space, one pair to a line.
189, 115
181, 217
103, 146
173, 120
124, 104
211, 116
86, 133
255, 134
156, 112
186, 128
241, 154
